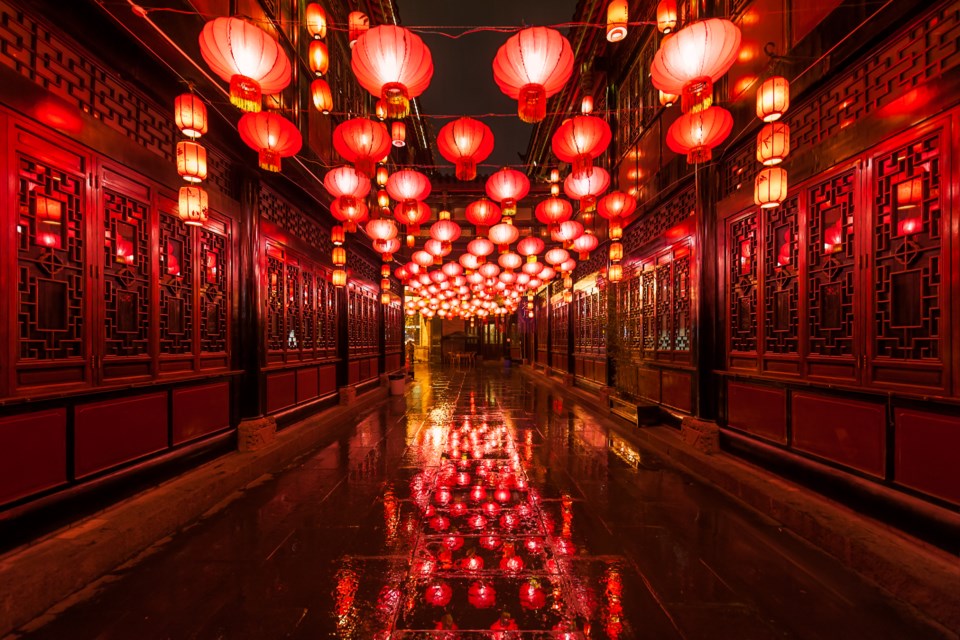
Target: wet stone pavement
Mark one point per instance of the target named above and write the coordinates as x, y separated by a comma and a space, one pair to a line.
480, 494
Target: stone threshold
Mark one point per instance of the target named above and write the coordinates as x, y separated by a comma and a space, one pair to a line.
923, 577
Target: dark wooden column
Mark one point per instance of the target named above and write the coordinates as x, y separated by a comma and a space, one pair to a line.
343, 336
249, 351
707, 312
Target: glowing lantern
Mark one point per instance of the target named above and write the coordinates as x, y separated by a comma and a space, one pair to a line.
510, 261
319, 57
315, 20
690, 61
381, 110
362, 142
247, 57
584, 244
480, 247
193, 205
615, 273
445, 232
556, 256
489, 270
465, 142
422, 258
412, 217
532, 596
616, 252
615, 230
347, 185
667, 16
408, 186
566, 232
322, 96
339, 256
773, 143
553, 211
481, 595
616, 204
530, 247
773, 98
438, 593
339, 278
452, 269
383, 199
508, 186
271, 135
697, 133
482, 214
191, 161
337, 236
387, 248
190, 115
667, 99
393, 64
587, 188
618, 15
770, 187
490, 542
586, 105
350, 215
531, 66
477, 521
503, 235
357, 24
546, 274
382, 229
398, 134
382, 175
579, 140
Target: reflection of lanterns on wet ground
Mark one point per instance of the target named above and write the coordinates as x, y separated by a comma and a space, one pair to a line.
482, 595
532, 595
438, 593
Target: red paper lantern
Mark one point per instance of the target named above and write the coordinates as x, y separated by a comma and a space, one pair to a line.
691, 60
480, 247
481, 595
190, 115
770, 187
465, 142
508, 186
482, 214
773, 98
398, 134
382, 229
477, 521
362, 142
530, 247
408, 186
351, 215
618, 16
584, 244
422, 258
667, 16
773, 143
357, 24
510, 261
322, 96
438, 593
579, 140
566, 232
192, 206
587, 188
191, 161
556, 256
392, 63
387, 248
472, 562
531, 66
439, 523
553, 211
616, 204
271, 135
412, 216
490, 542
315, 20
697, 133
319, 57
532, 596
247, 57
503, 235
347, 185
445, 232
511, 564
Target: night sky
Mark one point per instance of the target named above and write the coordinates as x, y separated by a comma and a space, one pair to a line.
463, 76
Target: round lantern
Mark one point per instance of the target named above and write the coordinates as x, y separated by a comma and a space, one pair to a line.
482, 214
615, 273
530, 247
587, 188
510, 261
412, 217
667, 16
190, 115
347, 185
193, 205
667, 99
531, 66
247, 57
362, 142
618, 16
386, 248
508, 186
398, 134
773, 98
469, 261
319, 57
773, 143
382, 229
697, 133
445, 231
481, 595
553, 211
579, 140
770, 187
191, 161
503, 235
480, 247
351, 215
315, 20
438, 593
465, 142
393, 64
422, 258
546, 274
357, 24
690, 61
408, 186
489, 270
556, 256
452, 269
584, 244
322, 96
271, 135
566, 232
616, 204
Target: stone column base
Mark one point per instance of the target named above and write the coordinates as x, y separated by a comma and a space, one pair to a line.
348, 395
702, 435
256, 433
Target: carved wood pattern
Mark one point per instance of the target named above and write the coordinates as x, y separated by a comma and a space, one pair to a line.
781, 299
363, 320
214, 260
176, 286
742, 261
126, 273
559, 326
655, 222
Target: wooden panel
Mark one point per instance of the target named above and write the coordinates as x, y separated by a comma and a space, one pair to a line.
200, 410
392, 362
676, 389
759, 410
846, 431
116, 431
926, 453
33, 453
281, 390
353, 372
648, 383
328, 379
308, 384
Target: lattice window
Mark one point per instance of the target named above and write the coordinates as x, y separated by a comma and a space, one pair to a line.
652, 225
664, 306
393, 327
648, 308
213, 291
51, 246
293, 303
681, 302
742, 261
362, 319
176, 286
126, 275
907, 243
308, 310
326, 317
276, 337
278, 211
780, 287
831, 265
560, 328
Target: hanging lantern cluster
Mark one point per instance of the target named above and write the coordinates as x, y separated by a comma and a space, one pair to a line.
190, 115
318, 56
773, 142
